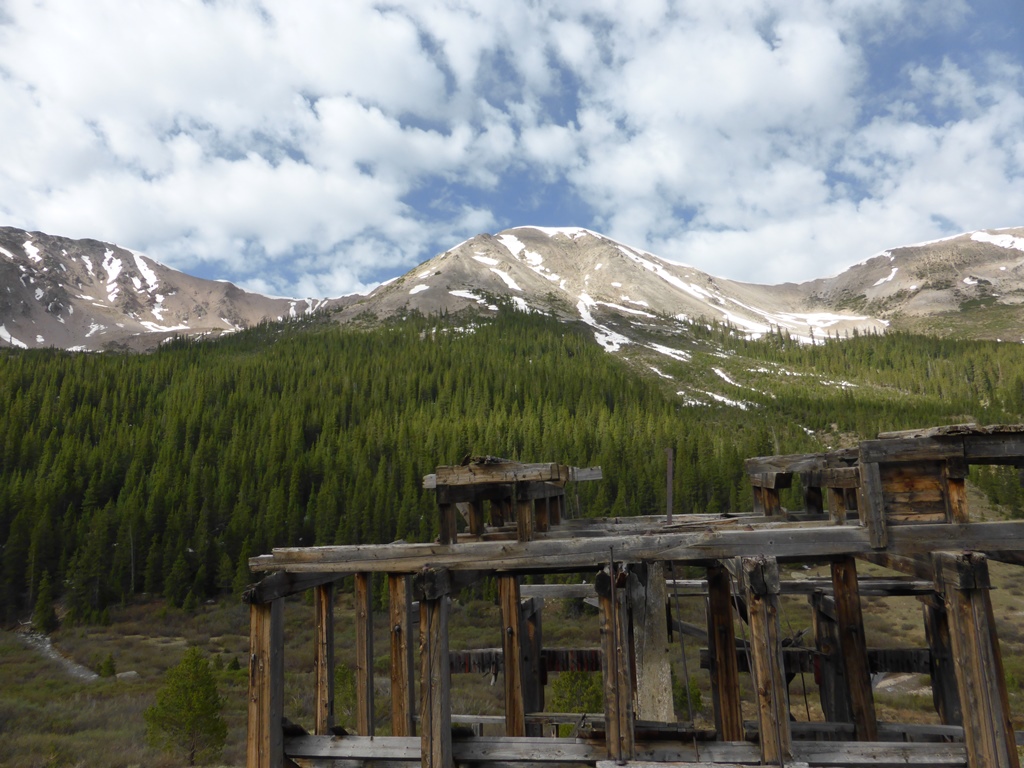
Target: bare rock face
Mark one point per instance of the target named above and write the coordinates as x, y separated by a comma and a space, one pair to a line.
88, 295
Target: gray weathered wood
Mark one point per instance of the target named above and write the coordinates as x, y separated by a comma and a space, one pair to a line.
617, 673
853, 647
647, 597
323, 658
403, 699
725, 679
945, 695
512, 642
364, 654
264, 744
435, 742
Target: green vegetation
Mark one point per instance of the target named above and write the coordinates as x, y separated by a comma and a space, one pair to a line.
187, 717
164, 473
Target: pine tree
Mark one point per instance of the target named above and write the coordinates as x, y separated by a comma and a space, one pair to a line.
44, 618
188, 715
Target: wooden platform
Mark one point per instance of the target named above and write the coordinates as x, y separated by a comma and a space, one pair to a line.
897, 501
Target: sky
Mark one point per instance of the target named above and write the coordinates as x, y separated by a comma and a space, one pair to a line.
317, 147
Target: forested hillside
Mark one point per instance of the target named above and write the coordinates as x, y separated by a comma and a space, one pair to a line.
163, 473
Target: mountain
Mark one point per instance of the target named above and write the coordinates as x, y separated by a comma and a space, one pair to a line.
83, 294
88, 295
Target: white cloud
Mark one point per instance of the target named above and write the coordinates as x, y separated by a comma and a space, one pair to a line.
309, 147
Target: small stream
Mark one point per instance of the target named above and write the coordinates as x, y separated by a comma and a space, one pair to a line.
42, 644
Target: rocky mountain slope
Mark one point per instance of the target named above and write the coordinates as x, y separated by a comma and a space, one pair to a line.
83, 294
88, 295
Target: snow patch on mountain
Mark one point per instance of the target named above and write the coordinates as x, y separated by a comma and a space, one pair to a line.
32, 251
1002, 241
883, 280
507, 278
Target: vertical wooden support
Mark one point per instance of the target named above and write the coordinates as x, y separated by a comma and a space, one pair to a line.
853, 646
432, 588
814, 501
988, 732
725, 678
831, 676
447, 528
323, 661
647, 600
761, 578
512, 642
403, 699
265, 746
945, 695
534, 671
476, 517
767, 501
524, 520
364, 654
500, 512
871, 505
542, 514
837, 506
954, 472
616, 668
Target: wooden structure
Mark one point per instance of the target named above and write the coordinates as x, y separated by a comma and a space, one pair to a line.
897, 501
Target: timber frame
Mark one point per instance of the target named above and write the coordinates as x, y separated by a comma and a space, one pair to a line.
898, 501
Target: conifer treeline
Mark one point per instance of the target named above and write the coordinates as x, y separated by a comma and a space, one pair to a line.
163, 473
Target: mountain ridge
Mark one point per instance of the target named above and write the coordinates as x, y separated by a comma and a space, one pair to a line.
90, 295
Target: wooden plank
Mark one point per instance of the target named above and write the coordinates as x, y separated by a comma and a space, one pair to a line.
945, 695
534, 669
364, 654
403, 699
647, 600
503, 472
988, 731
781, 540
265, 739
512, 648
915, 449
582, 474
323, 658
833, 477
955, 496
617, 673
853, 647
435, 743
871, 504
761, 581
836, 506
725, 679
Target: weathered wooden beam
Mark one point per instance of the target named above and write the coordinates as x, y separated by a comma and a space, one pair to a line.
945, 695
796, 541
871, 504
283, 584
484, 660
725, 679
403, 699
264, 745
761, 580
501, 472
853, 647
833, 690
447, 526
323, 658
364, 654
647, 599
512, 642
524, 520
988, 731
617, 672
435, 680
534, 671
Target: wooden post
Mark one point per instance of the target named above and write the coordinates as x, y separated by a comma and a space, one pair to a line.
616, 668
541, 514
403, 699
853, 646
524, 520
323, 660
833, 691
725, 678
647, 599
988, 732
871, 505
476, 517
670, 473
814, 501
954, 471
364, 654
837, 506
945, 695
432, 588
512, 642
534, 671
761, 578
265, 745
448, 530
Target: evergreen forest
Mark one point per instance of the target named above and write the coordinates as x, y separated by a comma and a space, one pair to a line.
163, 473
